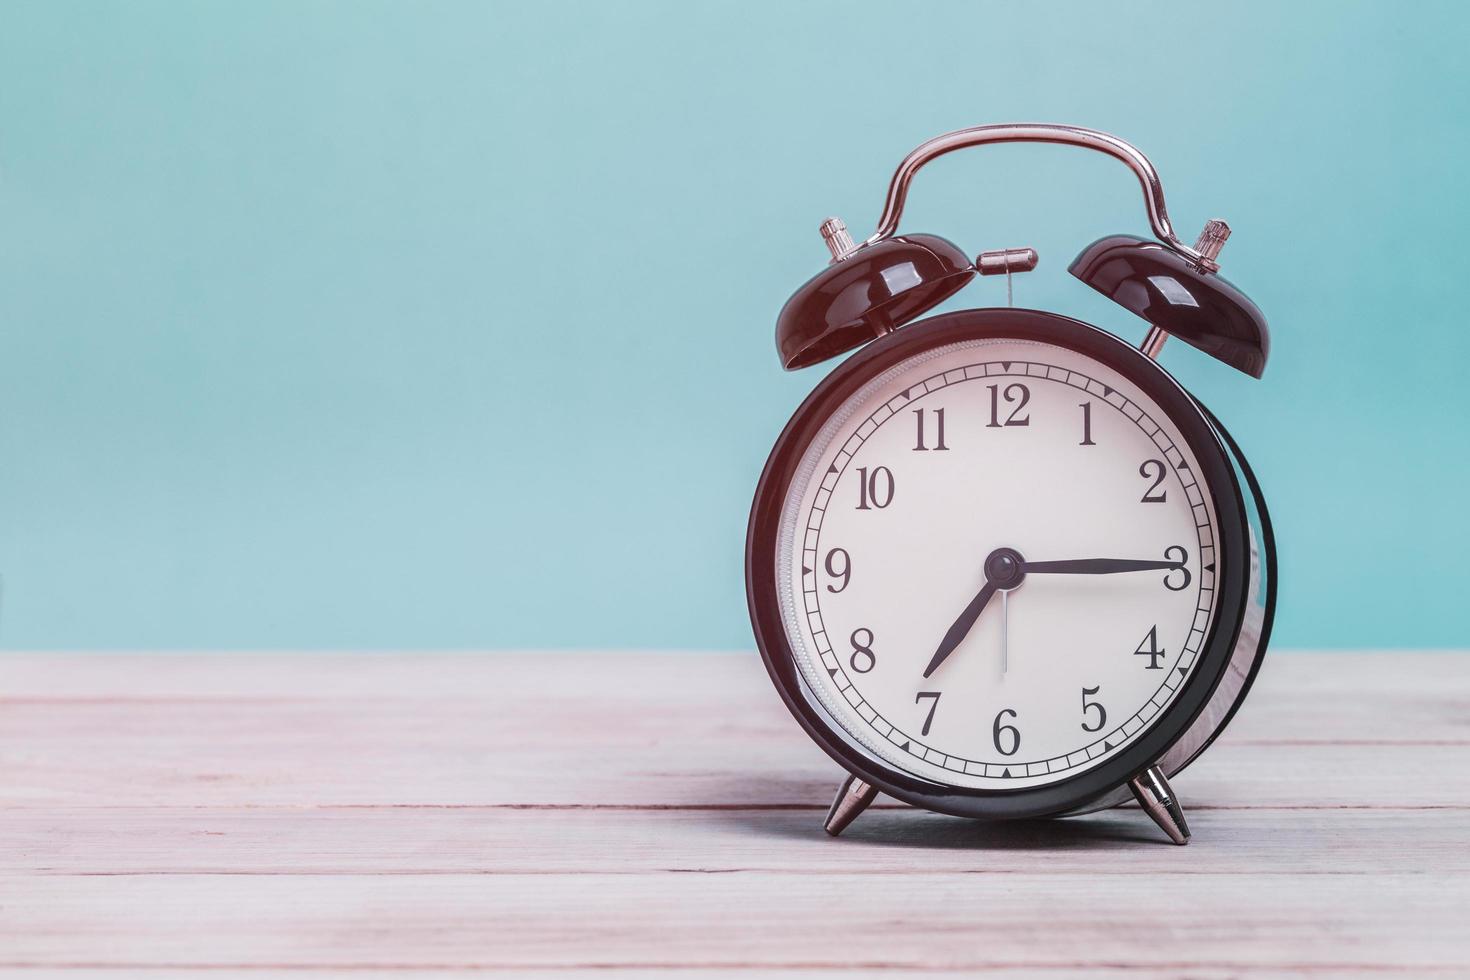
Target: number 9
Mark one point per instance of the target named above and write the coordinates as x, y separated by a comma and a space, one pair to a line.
844, 573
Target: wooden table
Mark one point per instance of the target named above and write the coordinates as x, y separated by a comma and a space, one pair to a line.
345, 815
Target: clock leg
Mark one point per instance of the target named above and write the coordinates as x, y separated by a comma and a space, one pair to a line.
853, 797
1159, 802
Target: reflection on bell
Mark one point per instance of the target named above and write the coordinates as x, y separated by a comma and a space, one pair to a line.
867, 292
1162, 286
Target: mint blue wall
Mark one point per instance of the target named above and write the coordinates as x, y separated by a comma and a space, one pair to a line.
449, 325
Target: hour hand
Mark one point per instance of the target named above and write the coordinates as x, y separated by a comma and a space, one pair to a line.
961, 627
1096, 566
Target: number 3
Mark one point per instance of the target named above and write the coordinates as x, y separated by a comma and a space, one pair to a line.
1183, 557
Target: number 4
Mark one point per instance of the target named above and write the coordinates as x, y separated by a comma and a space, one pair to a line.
1153, 652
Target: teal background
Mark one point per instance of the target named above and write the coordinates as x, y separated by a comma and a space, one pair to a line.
372, 325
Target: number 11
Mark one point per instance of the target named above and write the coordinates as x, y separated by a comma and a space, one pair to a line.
919, 446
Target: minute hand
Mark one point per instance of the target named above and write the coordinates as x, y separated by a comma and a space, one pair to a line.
1096, 566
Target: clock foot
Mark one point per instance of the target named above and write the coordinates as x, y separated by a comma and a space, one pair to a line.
1159, 802
853, 797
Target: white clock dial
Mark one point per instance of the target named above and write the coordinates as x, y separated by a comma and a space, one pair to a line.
941, 463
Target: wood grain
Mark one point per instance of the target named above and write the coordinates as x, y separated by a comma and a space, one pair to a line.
737, 920
409, 814
499, 841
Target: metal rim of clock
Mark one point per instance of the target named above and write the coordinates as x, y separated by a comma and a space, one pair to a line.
1248, 655
1072, 792
1269, 577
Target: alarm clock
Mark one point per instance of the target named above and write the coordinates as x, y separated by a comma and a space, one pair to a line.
1000, 563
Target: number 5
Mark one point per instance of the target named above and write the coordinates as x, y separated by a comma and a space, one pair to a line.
1102, 713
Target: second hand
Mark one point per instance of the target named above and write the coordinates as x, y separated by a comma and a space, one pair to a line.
1005, 631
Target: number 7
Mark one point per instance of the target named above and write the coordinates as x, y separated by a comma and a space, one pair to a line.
932, 705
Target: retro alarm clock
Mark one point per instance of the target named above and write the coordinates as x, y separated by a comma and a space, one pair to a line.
1000, 564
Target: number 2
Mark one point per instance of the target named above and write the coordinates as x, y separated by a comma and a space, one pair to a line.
1149, 497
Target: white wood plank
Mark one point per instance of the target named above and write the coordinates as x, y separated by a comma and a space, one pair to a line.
1306, 689
358, 841
229, 755
1060, 921
1415, 697
656, 730
402, 815
764, 973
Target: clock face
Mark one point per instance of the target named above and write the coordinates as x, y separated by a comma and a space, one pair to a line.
996, 564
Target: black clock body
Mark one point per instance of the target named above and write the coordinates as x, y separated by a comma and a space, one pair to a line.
1215, 453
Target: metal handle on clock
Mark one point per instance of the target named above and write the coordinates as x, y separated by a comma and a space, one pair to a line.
1202, 256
